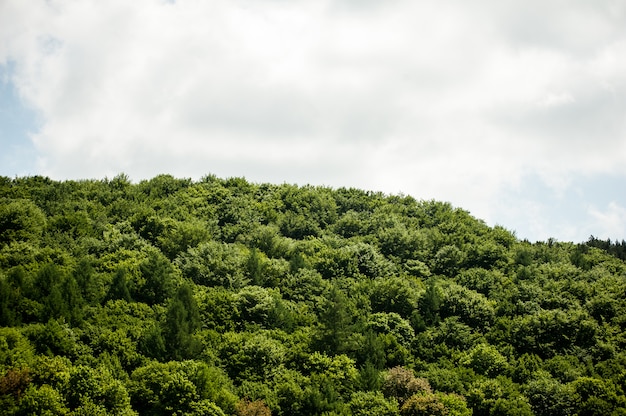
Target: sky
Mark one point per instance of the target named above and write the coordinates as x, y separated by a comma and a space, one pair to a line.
512, 110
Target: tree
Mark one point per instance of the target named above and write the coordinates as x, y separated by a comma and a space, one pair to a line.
20, 220
394, 294
336, 322
394, 325
338, 371
485, 359
97, 388
497, 396
83, 274
252, 357
372, 403
158, 279
372, 351
400, 383
370, 376
430, 303
182, 320
263, 306
423, 405
178, 236
448, 260
15, 349
252, 408
254, 266
455, 404
72, 299
180, 387
119, 287
595, 397
14, 382
471, 307
43, 400
214, 264
218, 308
549, 397
9, 300
152, 343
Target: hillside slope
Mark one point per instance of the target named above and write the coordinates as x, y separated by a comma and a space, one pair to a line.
226, 297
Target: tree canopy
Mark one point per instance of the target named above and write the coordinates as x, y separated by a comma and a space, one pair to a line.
225, 297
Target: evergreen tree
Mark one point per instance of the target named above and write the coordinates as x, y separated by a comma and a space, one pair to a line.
157, 272
336, 322
84, 276
430, 304
119, 287
182, 320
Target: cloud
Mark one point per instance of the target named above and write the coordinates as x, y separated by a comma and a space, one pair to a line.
445, 100
610, 222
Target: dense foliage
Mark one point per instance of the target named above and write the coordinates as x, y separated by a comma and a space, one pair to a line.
223, 297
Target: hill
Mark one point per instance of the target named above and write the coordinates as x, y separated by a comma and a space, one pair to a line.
224, 297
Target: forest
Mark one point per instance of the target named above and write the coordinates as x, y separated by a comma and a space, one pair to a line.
223, 297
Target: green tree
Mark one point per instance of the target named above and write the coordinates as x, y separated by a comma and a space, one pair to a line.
119, 287
252, 357
455, 404
549, 397
152, 343
372, 403
595, 397
338, 371
485, 359
370, 376
9, 301
448, 260
43, 400
15, 349
73, 300
430, 303
395, 294
263, 306
471, 307
497, 396
181, 322
394, 325
53, 338
178, 236
218, 308
214, 264
84, 275
180, 387
89, 387
20, 220
157, 276
372, 350
336, 319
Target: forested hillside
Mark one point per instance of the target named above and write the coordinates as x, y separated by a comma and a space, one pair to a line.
224, 297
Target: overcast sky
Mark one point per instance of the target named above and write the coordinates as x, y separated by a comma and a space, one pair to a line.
512, 110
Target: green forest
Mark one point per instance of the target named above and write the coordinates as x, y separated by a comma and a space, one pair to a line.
224, 297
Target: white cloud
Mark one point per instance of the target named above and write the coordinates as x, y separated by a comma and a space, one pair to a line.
609, 223
445, 100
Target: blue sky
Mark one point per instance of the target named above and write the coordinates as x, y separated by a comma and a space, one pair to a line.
514, 111
17, 123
